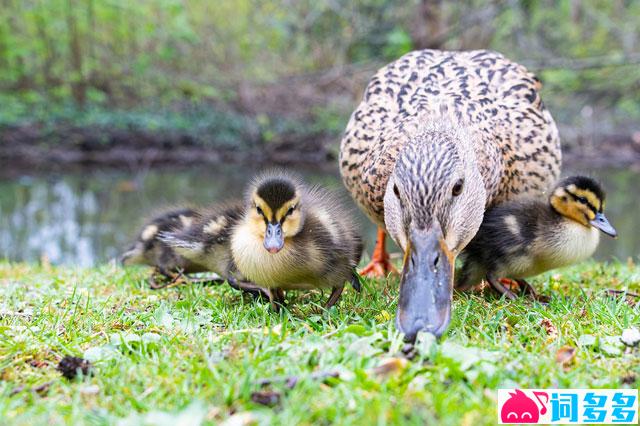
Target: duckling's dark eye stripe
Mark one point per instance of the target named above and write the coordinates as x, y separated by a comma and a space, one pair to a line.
587, 203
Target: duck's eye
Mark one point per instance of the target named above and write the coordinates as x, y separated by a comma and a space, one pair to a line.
396, 190
290, 211
259, 210
582, 200
457, 188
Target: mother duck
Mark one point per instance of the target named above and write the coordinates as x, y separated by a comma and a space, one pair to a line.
438, 138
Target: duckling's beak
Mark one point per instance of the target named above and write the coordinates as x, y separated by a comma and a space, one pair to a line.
130, 256
426, 284
602, 223
273, 238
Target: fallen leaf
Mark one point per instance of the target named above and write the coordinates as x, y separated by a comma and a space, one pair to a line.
266, 397
629, 379
565, 356
549, 328
390, 367
38, 363
630, 336
43, 389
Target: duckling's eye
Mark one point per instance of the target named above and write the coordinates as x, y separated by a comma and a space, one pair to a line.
259, 210
582, 200
457, 188
396, 190
290, 211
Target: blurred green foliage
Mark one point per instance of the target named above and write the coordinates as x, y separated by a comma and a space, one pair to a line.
85, 60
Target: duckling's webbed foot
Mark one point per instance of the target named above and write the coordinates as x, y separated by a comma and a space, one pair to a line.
336, 292
525, 288
161, 278
380, 265
276, 297
500, 288
528, 290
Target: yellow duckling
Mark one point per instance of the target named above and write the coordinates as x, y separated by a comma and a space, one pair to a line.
523, 238
292, 236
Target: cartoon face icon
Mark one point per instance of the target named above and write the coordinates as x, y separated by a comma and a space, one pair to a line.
519, 408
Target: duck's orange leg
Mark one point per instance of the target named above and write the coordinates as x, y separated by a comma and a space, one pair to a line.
380, 266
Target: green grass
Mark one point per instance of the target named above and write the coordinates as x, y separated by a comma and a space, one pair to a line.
192, 353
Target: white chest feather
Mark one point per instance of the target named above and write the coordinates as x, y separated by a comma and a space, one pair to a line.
570, 244
285, 269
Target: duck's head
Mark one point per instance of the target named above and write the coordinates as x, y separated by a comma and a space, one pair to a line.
581, 199
275, 209
434, 204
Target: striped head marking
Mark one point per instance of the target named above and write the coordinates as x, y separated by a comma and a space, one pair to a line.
275, 212
581, 199
433, 204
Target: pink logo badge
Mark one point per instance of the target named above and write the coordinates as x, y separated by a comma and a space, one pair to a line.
519, 408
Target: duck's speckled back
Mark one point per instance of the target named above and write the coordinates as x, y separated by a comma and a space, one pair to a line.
515, 138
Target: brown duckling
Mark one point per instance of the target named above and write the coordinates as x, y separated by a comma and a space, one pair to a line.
149, 249
523, 238
293, 236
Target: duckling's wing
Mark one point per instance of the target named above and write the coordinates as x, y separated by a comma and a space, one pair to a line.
183, 243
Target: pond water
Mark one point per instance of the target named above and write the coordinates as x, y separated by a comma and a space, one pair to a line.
84, 218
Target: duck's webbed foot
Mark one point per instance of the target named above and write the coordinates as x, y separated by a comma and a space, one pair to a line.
380, 265
525, 288
336, 292
500, 288
276, 297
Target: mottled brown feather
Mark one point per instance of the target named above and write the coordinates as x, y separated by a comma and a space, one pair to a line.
497, 100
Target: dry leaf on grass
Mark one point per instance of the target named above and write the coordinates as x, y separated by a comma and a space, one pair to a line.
565, 356
266, 397
549, 328
390, 367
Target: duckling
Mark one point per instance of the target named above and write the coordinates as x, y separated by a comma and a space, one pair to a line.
522, 238
149, 249
205, 242
292, 236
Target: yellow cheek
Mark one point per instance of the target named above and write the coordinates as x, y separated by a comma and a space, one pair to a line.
256, 222
291, 225
578, 213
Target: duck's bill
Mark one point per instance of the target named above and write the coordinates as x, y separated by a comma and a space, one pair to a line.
602, 223
273, 238
426, 285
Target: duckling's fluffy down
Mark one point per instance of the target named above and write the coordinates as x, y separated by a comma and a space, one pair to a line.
524, 238
322, 254
206, 241
150, 250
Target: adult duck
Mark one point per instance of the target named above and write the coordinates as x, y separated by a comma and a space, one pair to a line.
438, 138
